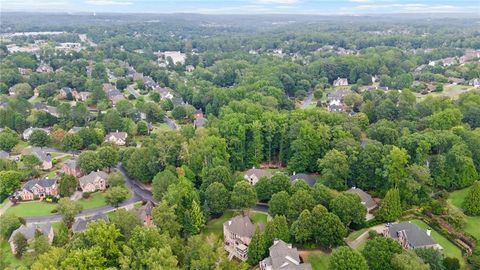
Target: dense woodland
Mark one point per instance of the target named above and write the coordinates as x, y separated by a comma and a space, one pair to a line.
409, 150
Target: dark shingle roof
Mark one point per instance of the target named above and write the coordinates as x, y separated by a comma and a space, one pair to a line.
415, 236
284, 257
43, 182
365, 197
307, 178
81, 223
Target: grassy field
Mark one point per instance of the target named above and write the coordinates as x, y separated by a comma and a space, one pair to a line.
32, 209
449, 249
96, 199
215, 226
3, 203
449, 90
456, 199
7, 260
318, 259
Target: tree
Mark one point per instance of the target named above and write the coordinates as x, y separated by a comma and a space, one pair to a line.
408, 260
125, 221
267, 187
50, 260
112, 121
395, 166
72, 141
243, 195
161, 182
345, 258
299, 201
20, 243
323, 195
23, 90
8, 139
257, 248
90, 258
432, 257
9, 182
121, 84
349, 208
471, 203
115, 179
8, 223
88, 161
390, 208
142, 128
216, 199
451, 263
108, 156
179, 113
69, 209
165, 219
40, 244
328, 229
115, 195
196, 219
334, 166
301, 229
278, 204
39, 138
67, 185
379, 253
277, 228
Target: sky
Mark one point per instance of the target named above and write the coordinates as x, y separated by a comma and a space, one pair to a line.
321, 7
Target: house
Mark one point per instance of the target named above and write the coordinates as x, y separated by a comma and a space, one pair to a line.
335, 100
4, 154
81, 96
75, 129
29, 231
149, 82
46, 108
37, 188
28, 132
177, 101
340, 82
165, 92
71, 167
237, 234
199, 121
189, 68
145, 213
113, 94
283, 257
410, 236
446, 62
65, 93
44, 68
253, 175
366, 199
80, 224
456, 81
131, 91
307, 178
44, 158
475, 83
118, 138
24, 71
176, 56
137, 76
93, 181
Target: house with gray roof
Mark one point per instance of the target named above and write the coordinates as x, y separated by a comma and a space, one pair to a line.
340, 82
283, 257
4, 154
366, 199
93, 181
237, 234
44, 158
37, 188
307, 178
118, 138
29, 231
410, 236
70, 167
145, 213
253, 175
74, 129
28, 132
80, 223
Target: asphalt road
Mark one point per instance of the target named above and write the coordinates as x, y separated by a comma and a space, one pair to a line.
170, 123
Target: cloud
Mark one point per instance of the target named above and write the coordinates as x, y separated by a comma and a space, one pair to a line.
109, 2
409, 8
282, 2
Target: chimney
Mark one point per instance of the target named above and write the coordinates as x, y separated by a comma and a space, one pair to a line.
429, 232
294, 173
229, 222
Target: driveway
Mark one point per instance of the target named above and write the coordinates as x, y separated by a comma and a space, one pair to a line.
364, 236
170, 123
306, 102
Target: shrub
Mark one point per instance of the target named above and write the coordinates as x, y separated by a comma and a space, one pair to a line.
86, 195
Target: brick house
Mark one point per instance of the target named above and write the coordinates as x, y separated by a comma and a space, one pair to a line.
93, 181
118, 138
44, 158
410, 236
145, 213
71, 167
29, 232
37, 188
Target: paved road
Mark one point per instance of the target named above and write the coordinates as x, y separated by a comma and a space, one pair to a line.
139, 194
170, 123
306, 102
261, 207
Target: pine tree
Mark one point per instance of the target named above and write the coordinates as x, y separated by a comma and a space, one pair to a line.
471, 204
257, 248
196, 219
390, 208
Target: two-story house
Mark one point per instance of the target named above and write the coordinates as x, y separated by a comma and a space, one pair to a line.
29, 231
93, 181
253, 175
71, 167
118, 138
283, 257
37, 188
237, 234
410, 236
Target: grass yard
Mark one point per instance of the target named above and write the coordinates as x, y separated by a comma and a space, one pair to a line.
472, 227
258, 218
449, 249
96, 199
32, 209
17, 149
318, 259
7, 260
4, 202
215, 226
456, 199
354, 235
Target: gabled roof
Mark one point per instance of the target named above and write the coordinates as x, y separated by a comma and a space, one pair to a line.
200, 122
41, 155
415, 236
146, 210
91, 177
240, 225
4, 154
71, 163
43, 182
284, 257
117, 135
259, 173
365, 197
81, 223
29, 230
307, 178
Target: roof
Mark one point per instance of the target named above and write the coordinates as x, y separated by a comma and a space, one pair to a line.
200, 122
4, 154
117, 135
415, 236
240, 225
29, 230
81, 223
43, 182
307, 178
146, 210
365, 197
75, 129
71, 163
91, 177
40, 154
259, 173
284, 257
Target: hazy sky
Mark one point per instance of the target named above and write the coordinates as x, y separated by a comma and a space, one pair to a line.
246, 6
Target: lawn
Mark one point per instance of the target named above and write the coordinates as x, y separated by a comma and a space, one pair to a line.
318, 259
456, 199
7, 260
96, 199
215, 226
4, 202
32, 209
449, 249
354, 235
258, 218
